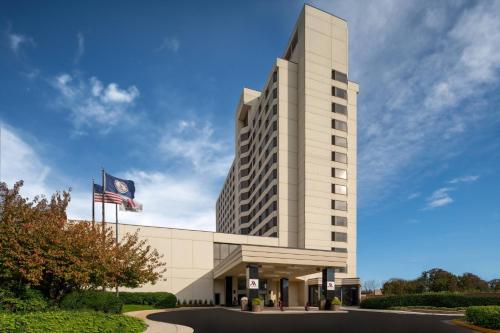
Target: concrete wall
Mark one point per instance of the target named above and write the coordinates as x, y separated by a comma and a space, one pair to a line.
188, 255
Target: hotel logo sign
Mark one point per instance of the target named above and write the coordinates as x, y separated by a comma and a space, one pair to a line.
330, 285
253, 283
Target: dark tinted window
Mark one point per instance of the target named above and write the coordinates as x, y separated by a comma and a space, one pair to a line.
339, 157
339, 76
339, 108
339, 141
340, 93
339, 205
339, 221
339, 125
339, 236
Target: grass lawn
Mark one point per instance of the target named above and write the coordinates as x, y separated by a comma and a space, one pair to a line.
137, 307
69, 321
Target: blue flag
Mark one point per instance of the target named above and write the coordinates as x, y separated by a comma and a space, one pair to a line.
122, 187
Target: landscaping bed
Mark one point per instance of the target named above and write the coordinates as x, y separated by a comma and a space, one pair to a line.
484, 316
441, 300
69, 321
430, 309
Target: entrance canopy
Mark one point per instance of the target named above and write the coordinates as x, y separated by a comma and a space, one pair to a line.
278, 262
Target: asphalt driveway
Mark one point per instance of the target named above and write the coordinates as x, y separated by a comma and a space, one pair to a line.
220, 320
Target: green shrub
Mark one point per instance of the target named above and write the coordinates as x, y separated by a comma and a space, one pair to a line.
92, 300
485, 316
26, 301
336, 301
69, 321
444, 300
156, 299
256, 301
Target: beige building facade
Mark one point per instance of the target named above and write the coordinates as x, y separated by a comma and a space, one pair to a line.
286, 215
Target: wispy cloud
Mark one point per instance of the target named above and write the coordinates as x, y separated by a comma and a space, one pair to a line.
17, 41
413, 195
169, 199
19, 161
439, 198
169, 43
433, 83
92, 104
80, 49
464, 179
196, 144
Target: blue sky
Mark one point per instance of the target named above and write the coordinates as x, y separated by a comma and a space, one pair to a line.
148, 90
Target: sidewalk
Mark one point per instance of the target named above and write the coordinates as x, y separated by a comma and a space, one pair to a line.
353, 308
156, 326
289, 310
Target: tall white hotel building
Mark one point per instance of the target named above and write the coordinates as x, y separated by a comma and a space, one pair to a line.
286, 215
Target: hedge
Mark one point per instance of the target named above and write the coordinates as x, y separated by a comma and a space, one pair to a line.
69, 321
446, 300
156, 299
28, 300
92, 300
485, 316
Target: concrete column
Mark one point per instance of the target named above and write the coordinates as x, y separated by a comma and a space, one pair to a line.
252, 282
228, 290
284, 291
328, 282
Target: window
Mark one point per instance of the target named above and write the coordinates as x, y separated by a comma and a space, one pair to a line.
275, 93
339, 189
339, 237
340, 270
275, 76
339, 249
339, 125
339, 108
339, 157
339, 173
339, 205
338, 76
340, 93
339, 141
339, 221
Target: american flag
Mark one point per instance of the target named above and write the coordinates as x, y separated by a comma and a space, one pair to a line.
109, 197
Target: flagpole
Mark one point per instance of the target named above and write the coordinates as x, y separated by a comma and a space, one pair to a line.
116, 237
93, 205
103, 207
103, 216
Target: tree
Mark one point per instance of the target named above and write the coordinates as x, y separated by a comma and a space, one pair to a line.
41, 248
472, 282
494, 284
438, 279
394, 287
370, 286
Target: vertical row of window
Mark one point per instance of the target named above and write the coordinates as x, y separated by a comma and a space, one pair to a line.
339, 141
260, 166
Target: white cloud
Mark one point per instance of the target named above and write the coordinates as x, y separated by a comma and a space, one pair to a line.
16, 41
169, 200
19, 161
413, 195
170, 43
464, 179
439, 198
80, 50
196, 144
416, 62
90, 104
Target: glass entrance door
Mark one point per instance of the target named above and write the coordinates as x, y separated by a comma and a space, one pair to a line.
314, 295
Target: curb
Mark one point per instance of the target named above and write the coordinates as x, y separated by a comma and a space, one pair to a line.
157, 326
